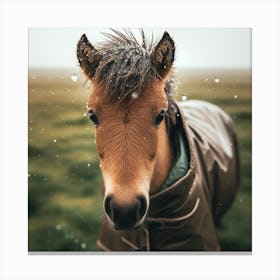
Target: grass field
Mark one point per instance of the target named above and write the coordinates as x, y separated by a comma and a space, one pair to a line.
64, 194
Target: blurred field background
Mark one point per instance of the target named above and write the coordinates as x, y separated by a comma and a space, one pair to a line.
64, 193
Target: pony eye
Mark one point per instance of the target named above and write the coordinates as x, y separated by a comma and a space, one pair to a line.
160, 118
93, 117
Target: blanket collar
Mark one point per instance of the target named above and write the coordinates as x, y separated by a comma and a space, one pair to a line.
181, 164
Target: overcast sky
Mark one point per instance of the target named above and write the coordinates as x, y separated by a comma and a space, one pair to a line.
195, 47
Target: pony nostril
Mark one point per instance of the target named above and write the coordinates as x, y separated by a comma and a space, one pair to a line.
142, 206
108, 206
125, 215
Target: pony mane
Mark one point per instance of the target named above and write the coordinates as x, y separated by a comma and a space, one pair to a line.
126, 65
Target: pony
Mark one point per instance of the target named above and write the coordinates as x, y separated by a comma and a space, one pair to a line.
170, 170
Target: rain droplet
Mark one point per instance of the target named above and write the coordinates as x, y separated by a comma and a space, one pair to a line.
216, 80
58, 227
54, 140
206, 80
83, 245
235, 96
88, 164
74, 77
134, 95
184, 97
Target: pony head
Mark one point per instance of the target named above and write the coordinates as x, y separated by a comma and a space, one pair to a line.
131, 108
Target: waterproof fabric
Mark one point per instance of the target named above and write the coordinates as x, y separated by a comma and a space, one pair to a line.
182, 217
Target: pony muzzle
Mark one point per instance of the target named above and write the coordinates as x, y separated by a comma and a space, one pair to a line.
126, 216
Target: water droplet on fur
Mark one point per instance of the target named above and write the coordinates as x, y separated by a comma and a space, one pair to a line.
74, 77
134, 95
216, 80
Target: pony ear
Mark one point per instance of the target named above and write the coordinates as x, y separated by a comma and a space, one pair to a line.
88, 56
163, 55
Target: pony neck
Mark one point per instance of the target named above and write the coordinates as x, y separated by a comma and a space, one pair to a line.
164, 159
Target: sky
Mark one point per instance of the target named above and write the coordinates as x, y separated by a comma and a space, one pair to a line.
211, 48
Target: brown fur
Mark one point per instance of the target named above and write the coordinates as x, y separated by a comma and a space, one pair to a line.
132, 85
127, 139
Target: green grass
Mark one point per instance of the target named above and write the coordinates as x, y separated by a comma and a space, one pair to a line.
64, 192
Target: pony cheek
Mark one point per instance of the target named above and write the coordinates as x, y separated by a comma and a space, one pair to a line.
150, 170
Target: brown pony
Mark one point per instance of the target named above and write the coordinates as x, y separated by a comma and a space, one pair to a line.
136, 118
